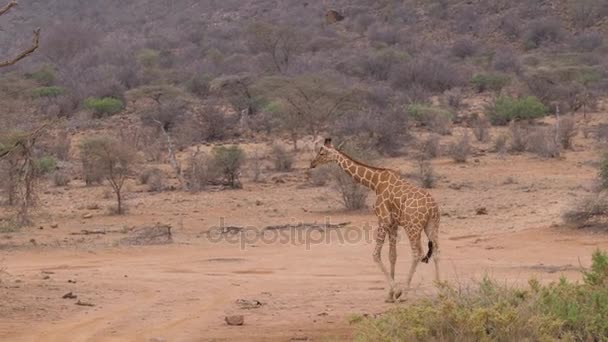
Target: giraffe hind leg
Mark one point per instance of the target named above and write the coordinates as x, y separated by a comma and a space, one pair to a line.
428, 254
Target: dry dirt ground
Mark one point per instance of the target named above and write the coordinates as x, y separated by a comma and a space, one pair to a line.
181, 291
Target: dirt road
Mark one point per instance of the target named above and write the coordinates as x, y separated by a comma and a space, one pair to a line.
183, 292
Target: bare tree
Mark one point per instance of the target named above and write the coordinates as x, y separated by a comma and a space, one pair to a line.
17, 149
280, 43
25, 52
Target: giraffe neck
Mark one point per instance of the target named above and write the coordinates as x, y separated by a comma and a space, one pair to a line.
362, 174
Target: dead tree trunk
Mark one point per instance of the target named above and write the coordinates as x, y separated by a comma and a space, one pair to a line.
172, 158
25, 52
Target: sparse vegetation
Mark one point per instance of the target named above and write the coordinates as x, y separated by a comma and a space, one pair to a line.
567, 130
461, 149
481, 128
491, 311
427, 175
541, 141
590, 211
429, 147
489, 82
352, 194
281, 159
228, 160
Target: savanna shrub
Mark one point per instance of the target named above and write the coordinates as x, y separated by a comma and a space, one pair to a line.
61, 178
541, 141
103, 106
506, 109
281, 159
489, 82
51, 91
490, 311
461, 149
542, 32
352, 194
46, 165
228, 160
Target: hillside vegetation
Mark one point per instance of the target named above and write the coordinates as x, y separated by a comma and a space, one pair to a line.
164, 76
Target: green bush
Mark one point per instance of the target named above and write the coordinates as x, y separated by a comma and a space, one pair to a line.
604, 171
148, 58
228, 161
44, 76
52, 91
103, 106
490, 311
438, 120
46, 165
506, 109
491, 82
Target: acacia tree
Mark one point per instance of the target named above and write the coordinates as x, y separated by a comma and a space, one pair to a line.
114, 160
26, 52
306, 104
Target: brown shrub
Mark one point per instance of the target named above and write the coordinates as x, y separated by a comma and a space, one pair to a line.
281, 159
256, 164
61, 178
567, 130
320, 176
463, 48
429, 147
519, 137
426, 174
591, 210
453, 98
481, 128
461, 149
541, 141
500, 144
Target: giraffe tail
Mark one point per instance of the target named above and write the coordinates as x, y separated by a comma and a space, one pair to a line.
428, 254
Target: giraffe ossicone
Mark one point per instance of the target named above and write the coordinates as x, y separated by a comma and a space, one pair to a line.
398, 204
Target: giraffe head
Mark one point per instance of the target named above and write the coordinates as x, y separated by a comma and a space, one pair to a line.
327, 154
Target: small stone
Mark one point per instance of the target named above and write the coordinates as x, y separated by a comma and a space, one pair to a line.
258, 203
87, 216
54, 225
235, 320
481, 211
69, 295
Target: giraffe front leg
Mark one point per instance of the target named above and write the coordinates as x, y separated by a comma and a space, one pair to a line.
392, 257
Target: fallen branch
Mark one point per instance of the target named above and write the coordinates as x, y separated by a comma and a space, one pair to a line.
90, 232
317, 226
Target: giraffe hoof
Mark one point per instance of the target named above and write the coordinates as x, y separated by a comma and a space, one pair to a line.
402, 299
397, 294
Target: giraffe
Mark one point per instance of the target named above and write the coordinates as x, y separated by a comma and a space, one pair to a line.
398, 203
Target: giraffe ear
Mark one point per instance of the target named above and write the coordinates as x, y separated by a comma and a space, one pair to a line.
327, 142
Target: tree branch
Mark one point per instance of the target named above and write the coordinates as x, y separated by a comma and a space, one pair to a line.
25, 53
8, 7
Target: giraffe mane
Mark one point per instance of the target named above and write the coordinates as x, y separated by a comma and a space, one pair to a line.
375, 168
